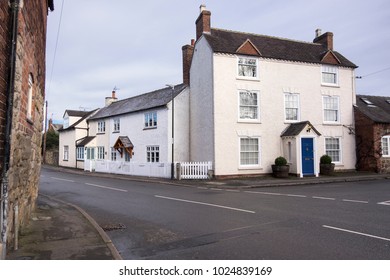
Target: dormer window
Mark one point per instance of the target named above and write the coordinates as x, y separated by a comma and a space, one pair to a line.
247, 67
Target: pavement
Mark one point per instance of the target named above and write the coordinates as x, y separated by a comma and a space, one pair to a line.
62, 231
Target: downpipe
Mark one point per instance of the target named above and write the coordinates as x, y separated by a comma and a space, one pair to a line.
14, 7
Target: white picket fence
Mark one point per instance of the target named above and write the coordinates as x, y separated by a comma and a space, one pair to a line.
195, 170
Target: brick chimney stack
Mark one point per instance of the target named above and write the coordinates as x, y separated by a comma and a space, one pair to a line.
188, 51
325, 39
111, 99
203, 23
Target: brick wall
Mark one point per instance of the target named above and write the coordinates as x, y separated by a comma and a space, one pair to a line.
26, 135
368, 144
4, 62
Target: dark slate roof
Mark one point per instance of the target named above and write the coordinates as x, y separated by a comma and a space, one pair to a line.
142, 102
378, 111
226, 41
85, 141
75, 113
295, 128
84, 116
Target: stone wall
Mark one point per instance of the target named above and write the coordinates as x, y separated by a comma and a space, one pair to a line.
26, 135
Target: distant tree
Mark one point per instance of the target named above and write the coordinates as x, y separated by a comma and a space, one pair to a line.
52, 140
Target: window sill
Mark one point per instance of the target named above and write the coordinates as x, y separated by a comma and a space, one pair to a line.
100, 133
290, 121
116, 131
150, 128
330, 85
250, 167
332, 123
249, 121
248, 79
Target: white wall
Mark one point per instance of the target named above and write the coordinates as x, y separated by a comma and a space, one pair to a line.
275, 78
202, 103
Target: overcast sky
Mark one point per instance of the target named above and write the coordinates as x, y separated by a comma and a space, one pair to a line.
136, 45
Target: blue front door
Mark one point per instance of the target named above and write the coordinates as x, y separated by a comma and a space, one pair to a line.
307, 156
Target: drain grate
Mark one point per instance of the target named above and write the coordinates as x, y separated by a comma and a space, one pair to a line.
112, 227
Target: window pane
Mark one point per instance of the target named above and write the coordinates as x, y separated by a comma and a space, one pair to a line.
249, 154
385, 146
332, 147
248, 105
247, 67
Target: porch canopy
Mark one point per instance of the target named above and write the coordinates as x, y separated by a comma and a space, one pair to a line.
122, 144
295, 129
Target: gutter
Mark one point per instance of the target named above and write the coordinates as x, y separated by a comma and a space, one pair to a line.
14, 7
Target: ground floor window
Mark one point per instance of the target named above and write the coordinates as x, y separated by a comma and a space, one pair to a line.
100, 152
153, 154
333, 148
127, 156
249, 151
385, 146
80, 153
66, 152
113, 154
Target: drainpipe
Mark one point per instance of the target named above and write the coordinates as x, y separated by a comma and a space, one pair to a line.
14, 6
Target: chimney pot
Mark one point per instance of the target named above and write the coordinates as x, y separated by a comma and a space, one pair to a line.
202, 8
318, 32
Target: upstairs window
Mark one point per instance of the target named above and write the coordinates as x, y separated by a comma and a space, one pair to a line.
331, 109
101, 127
249, 105
329, 75
117, 125
291, 107
151, 120
247, 67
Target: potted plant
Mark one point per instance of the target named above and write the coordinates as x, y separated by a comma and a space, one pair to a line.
280, 169
326, 165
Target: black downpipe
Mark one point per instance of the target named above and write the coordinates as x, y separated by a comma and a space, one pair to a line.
14, 5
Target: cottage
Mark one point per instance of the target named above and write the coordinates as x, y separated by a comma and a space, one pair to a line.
372, 128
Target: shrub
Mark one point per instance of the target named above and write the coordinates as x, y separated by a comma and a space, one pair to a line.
325, 159
280, 161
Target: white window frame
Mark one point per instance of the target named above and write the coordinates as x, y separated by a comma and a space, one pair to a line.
100, 153
249, 165
150, 119
324, 104
113, 154
66, 153
101, 126
327, 70
243, 62
153, 154
117, 125
385, 151
332, 150
286, 96
30, 96
241, 106
80, 153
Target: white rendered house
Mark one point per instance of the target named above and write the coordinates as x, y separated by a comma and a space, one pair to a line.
134, 136
254, 98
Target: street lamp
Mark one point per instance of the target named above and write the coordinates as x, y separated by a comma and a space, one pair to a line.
173, 130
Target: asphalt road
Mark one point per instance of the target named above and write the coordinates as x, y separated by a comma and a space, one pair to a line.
160, 221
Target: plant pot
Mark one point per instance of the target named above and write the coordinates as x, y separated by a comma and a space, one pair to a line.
327, 169
280, 171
